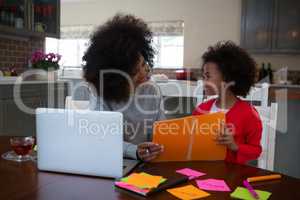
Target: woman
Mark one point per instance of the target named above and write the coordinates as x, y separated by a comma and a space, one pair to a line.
117, 64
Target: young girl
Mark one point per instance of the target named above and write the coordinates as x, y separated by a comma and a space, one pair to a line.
229, 72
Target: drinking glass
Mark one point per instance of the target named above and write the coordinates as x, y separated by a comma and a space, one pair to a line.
22, 147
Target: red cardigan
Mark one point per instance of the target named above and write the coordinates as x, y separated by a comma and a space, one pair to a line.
248, 130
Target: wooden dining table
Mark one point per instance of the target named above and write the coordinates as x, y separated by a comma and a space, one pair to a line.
24, 181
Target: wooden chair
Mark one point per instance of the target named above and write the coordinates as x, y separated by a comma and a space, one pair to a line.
174, 91
268, 116
258, 96
76, 104
178, 88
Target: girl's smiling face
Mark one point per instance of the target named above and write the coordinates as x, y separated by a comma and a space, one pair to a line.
212, 78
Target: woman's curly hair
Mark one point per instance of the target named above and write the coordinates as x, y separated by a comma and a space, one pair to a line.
117, 45
235, 64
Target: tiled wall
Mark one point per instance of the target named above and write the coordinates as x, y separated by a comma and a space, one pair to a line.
16, 52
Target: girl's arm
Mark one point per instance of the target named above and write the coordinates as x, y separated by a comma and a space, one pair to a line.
251, 149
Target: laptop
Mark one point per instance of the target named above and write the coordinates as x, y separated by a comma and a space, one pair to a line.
81, 142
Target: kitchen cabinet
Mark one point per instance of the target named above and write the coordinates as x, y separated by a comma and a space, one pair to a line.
14, 13
46, 17
30, 18
16, 122
13, 120
286, 26
271, 26
256, 26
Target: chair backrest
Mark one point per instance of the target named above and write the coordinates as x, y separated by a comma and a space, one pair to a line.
76, 104
178, 88
268, 116
199, 93
259, 94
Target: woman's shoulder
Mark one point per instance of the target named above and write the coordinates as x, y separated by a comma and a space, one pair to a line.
148, 96
148, 88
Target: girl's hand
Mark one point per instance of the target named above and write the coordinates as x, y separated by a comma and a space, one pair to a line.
148, 151
226, 138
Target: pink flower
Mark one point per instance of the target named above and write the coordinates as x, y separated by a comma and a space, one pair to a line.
37, 56
44, 61
49, 57
58, 57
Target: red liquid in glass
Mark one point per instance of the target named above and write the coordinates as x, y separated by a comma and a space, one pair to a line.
21, 149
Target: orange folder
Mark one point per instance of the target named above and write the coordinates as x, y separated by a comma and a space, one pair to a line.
190, 138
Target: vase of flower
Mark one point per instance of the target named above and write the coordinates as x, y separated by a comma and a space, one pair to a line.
46, 62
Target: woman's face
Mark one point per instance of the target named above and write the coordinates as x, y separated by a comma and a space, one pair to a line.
142, 73
212, 78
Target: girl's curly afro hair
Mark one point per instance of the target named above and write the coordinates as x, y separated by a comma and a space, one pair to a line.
235, 64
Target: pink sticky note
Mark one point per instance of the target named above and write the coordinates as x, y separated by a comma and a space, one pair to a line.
213, 185
130, 187
192, 174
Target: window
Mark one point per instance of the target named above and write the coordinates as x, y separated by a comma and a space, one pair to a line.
168, 43
72, 50
169, 51
72, 45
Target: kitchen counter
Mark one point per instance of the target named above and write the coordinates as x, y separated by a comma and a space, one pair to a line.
287, 132
15, 81
284, 86
19, 119
282, 92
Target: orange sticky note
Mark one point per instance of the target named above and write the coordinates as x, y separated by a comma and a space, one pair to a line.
188, 192
161, 179
143, 180
190, 138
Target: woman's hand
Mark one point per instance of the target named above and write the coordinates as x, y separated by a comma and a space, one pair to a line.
148, 151
226, 138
